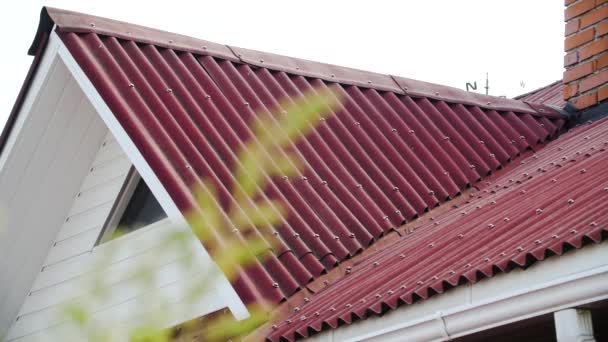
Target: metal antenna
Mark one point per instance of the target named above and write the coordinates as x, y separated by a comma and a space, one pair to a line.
487, 84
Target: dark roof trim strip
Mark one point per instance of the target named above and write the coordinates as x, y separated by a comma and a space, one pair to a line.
68, 21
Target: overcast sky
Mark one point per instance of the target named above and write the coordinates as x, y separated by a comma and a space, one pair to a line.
448, 42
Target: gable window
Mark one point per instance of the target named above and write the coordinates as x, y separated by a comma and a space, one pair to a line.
135, 208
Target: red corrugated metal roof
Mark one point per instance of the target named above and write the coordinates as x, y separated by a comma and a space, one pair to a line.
551, 94
550, 202
396, 147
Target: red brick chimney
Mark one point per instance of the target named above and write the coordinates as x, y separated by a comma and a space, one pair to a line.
586, 46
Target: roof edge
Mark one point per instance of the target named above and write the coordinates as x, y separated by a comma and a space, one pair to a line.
69, 21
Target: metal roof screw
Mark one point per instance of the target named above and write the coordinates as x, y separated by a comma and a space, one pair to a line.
403, 287
573, 231
322, 119
170, 41
435, 278
571, 201
297, 68
261, 61
481, 142
525, 174
349, 305
535, 156
491, 225
376, 263
586, 137
317, 313
246, 103
489, 103
431, 245
432, 193
303, 318
541, 110
522, 191
324, 182
296, 309
446, 138
555, 236
378, 295
405, 88
169, 90
336, 237
477, 207
539, 211
351, 235
463, 213
467, 265
325, 282
385, 218
436, 223
296, 235
274, 327
520, 249
397, 211
522, 137
492, 155
451, 272
538, 242
436, 93
131, 85
606, 189
332, 75
332, 309
390, 292
583, 171
369, 82
593, 224
288, 321
553, 180
394, 130
492, 202
472, 166
349, 269
502, 254
395, 189
411, 131
304, 178
506, 219
275, 232
486, 260
275, 285
316, 235
512, 142
92, 24
284, 177
357, 123
207, 97
419, 282
460, 236
204, 47
402, 256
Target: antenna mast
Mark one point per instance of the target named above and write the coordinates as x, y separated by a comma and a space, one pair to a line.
487, 84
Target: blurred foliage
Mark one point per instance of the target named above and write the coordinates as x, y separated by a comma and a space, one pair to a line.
267, 154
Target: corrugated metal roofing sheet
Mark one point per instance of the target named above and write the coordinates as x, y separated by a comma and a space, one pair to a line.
551, 94
395, 148
550, 202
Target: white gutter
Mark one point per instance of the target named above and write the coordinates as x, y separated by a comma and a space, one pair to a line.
570, 291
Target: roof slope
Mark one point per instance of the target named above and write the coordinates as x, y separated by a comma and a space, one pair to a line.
551, 94
552, 201
396, 147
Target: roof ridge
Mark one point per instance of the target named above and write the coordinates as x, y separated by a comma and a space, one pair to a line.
70, 21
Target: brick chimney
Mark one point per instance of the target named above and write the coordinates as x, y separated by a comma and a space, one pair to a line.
586, 46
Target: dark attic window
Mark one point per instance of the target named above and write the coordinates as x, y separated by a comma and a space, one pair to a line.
135, 208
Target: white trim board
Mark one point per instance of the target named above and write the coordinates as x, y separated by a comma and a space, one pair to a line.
228, 294
576, 278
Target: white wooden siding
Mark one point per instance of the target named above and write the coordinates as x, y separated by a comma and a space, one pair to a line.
74, 263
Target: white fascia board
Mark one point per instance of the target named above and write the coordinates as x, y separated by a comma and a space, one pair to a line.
579, 277
46, 64
228, 294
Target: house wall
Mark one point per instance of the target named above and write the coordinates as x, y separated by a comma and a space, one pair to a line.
74, 266
58, 185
